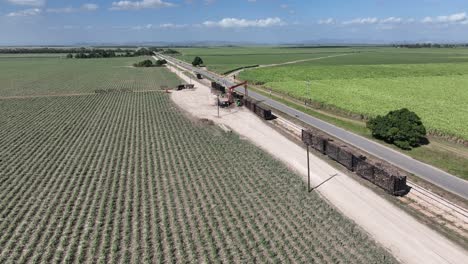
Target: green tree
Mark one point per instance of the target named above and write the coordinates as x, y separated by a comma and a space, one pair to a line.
170, 51
143, 52
145, 63
197, 61
402, 128
161, 62
69, 56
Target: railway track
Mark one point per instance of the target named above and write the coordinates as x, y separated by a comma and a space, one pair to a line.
428, 202
438, 201
408, 238
425, 171
417, 192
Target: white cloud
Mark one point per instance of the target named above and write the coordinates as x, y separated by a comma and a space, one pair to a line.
141, 27
161, 26
65, 27
427, 20
455, 18
170, 25
460, 18
328, 21
28, 2
26, 12
61, 10
70, 27
362, 21
385, 27
244, 23
376, 21
90, 7
135, 5
391, 20
65, 10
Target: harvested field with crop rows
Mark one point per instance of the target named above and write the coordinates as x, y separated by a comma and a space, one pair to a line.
126, 177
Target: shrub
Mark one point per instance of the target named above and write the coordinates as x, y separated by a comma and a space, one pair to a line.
402, 128
170, 51
145, 63
143, 52
161, 62
197, 61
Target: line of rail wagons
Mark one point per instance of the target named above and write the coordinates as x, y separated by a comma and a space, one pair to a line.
382, 174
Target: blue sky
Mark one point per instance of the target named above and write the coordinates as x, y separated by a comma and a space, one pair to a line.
29, 22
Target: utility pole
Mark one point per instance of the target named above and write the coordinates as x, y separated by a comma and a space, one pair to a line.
217, 97
308, 170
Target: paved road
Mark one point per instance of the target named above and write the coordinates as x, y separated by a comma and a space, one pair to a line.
431, 174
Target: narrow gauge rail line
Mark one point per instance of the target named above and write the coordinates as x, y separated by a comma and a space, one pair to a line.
424, 194
430, 196
429, 173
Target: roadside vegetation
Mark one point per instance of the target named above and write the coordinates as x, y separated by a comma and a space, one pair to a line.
197, 61
402, 128
149, 63
446, 155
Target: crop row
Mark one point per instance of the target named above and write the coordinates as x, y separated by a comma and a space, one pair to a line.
55, 76
223, 59
439, 100
125, 177
308, 72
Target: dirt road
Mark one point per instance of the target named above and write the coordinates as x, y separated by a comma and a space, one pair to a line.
407, 239
288, 63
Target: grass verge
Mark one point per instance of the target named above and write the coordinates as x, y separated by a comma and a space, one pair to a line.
447, 156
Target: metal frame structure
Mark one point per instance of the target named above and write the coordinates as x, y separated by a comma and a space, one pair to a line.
231, 91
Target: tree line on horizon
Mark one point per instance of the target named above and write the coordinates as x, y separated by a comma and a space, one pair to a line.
91, 52
429, 45
102, 53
